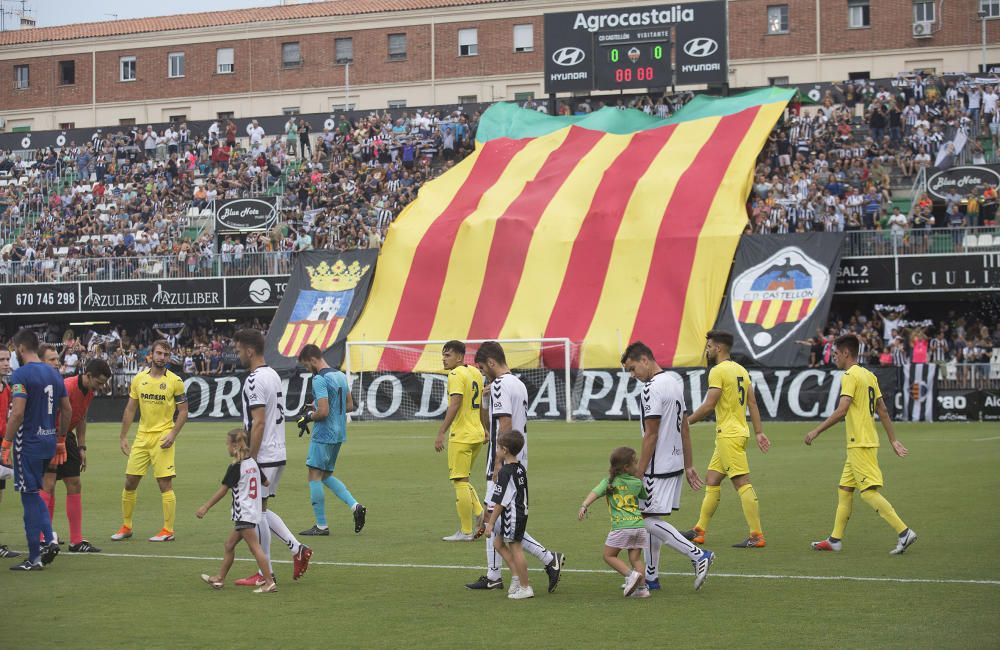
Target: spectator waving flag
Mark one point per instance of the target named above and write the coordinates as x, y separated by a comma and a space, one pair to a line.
604, 228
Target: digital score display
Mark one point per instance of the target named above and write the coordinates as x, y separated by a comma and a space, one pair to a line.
632, 65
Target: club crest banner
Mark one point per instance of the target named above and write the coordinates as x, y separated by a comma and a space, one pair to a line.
325, 294
779, 292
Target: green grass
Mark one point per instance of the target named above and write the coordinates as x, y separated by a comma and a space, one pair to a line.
945, 490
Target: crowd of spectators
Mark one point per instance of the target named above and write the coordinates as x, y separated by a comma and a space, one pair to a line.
832, 166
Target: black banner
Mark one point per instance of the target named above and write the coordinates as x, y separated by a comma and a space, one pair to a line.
780, 290
145, 295
782, 393
39, 298
990, 405
866, 274
263, 291
921, 273
245, 215
957, 405
571, 49
325, 295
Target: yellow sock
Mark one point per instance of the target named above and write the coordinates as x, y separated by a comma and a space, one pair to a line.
169, 509
751, 509
713, 494
845, 503
464, 504
128, 507
477, 505
884, 509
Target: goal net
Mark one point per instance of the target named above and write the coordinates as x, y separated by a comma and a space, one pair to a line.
405, 380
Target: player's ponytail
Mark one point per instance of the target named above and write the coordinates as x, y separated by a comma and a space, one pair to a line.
621, 459
240, 441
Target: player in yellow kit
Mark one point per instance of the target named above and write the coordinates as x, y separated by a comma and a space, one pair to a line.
465, 391
157, 393
730, 394
860, 400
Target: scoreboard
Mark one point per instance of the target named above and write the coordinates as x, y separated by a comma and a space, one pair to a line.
623, 61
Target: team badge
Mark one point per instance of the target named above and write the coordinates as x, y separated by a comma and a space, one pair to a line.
772, 300
163, 386
633, 54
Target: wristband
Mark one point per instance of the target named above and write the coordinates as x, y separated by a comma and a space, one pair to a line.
6, 444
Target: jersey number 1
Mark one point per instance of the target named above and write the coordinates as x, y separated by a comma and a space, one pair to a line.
48, 392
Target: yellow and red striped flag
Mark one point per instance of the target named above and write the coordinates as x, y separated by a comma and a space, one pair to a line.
603, 229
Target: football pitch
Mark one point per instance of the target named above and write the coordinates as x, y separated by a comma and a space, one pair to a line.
396, 584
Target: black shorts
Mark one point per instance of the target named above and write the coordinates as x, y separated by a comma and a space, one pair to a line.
513, 525
243, 525
71, 468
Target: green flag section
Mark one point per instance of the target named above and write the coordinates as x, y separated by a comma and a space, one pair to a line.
510, 121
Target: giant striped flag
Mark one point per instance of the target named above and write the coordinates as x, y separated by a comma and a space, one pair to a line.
603, 229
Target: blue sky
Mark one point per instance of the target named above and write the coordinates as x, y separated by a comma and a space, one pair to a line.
63, 12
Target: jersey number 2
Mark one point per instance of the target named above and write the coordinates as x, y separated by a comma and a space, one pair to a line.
475, 396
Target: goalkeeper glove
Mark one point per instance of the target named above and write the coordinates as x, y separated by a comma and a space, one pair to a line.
60, 456
303, 423
5, 456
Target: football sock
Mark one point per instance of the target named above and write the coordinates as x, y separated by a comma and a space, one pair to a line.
318, 498
279, 528
751, 509
477, 505
264, 535
845, 504
652, 554
713, 494
50, 502
169, 509
668, 535
32, 526
464, 505
74, 513
128, 507
884, 509
532, 546
6, 472
340, 490
493, 560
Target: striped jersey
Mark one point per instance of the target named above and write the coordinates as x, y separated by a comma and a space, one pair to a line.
262, 389
508, 396
662, 402
244, 482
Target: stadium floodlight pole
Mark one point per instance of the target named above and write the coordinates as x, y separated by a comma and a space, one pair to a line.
567, 357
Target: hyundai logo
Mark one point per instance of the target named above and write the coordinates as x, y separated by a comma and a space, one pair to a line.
567, 56
701, 47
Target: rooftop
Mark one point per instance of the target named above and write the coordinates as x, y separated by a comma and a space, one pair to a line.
222, 18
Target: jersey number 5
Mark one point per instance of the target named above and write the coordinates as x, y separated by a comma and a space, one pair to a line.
742, 391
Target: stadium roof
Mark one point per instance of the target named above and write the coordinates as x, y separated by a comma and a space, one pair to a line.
222, 18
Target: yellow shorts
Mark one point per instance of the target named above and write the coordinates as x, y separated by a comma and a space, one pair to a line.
861, 469
461, 456
730, 457
146, 451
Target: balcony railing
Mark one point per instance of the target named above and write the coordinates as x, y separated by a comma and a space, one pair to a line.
921, 241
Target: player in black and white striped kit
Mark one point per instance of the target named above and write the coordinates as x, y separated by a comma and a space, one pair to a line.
665, 457
508, 401
264, 419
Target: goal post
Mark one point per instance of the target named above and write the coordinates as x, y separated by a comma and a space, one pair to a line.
405, 380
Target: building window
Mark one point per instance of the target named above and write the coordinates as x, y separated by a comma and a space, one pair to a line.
777, 81
224, 61
341, 107
66, 126
858, 14
397, 47
126, 121
126, 66
20, 77
864, 75
67, 73
175, 65
177, 119
777, 19
468, 42
467, 99
343, 50
291, 55
397, 103
225, 115
290, 110
923, 11
990, 7
524, 38
525, 96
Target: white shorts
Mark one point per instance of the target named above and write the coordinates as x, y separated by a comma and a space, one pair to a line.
273, 476
628, 538
664, 495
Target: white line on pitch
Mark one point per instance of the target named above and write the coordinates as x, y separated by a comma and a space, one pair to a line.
386, 565
985, 439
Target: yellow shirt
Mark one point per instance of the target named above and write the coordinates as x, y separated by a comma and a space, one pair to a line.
862, 387
467, 382
730, 411
158, 398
